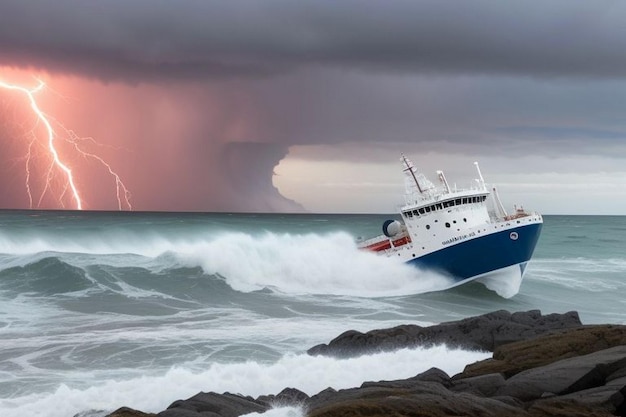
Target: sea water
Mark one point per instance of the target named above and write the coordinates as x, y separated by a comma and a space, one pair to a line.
100, 310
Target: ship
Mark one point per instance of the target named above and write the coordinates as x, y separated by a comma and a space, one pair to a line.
464, 234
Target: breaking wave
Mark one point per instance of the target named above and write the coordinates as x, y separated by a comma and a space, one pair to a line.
309, 374
284, 263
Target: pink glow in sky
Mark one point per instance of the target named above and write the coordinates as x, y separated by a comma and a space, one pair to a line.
173, 147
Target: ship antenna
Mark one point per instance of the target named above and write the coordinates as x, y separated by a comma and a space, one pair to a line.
480, 175
442, 178
499, 204
409, 167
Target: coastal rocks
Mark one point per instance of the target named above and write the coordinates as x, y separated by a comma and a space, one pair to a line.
513, 358
566, 376
214, 405
557, 368
575, 372
485, 332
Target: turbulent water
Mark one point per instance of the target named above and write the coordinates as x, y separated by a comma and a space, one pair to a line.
101, 310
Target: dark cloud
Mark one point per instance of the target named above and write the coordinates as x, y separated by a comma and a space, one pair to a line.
133, 40
209, 96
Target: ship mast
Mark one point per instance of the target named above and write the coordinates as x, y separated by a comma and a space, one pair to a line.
410, 168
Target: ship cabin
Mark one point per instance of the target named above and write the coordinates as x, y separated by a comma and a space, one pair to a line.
455, 211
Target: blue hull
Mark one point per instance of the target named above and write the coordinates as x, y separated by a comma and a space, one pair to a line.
484, 254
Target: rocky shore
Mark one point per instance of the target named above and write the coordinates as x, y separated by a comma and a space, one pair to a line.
542, 365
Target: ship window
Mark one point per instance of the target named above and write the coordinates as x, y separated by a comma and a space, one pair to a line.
458, 202
408, 214
415, 213
464, 200
439, 206
422, 210
446, 204
484, 198
427, 209
447, 224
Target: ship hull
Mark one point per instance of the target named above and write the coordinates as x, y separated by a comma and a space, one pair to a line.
484, 255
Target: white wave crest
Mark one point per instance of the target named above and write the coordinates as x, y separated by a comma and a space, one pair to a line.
306, 373
292, 264
307, 264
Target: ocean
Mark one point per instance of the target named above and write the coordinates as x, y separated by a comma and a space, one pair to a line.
100, 310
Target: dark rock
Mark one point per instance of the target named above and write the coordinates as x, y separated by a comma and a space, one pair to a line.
556, 407
565, 376
424, 399
129, 412
485, 332
212, 404
181, 412
515, 357
604, 397
542, 366
330, 399
289, 397
484, 385
432, 375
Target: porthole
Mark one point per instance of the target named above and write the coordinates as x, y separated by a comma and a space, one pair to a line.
447, 224
427, 226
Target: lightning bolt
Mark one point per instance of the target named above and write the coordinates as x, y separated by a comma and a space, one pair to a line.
57, 164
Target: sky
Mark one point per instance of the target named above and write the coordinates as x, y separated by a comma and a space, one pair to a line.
291, 106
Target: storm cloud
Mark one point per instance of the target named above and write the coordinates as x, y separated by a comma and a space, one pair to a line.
132, 40
215, 94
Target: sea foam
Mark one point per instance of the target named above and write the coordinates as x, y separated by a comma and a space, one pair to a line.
307, 264
291, 264
309, 374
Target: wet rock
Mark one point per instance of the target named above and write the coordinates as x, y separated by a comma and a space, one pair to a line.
486, 332
214, 405
542, 366
129, 412
483, 385
567, 376
513, 358
289, 397
423, 399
